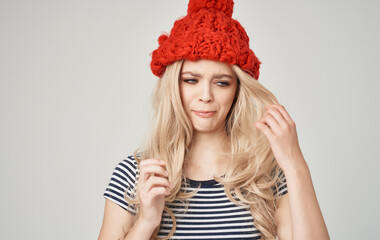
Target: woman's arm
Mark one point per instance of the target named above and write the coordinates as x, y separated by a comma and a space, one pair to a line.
152, 188
298, 214
119, 224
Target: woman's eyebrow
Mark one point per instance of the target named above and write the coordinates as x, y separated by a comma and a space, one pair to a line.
192, 74
221, 76
213, 76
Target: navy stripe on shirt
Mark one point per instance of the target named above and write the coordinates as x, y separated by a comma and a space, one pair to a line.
210, 214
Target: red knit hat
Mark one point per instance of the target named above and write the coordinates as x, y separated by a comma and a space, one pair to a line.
206, 32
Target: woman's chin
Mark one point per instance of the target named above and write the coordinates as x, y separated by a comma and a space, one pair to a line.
206, 129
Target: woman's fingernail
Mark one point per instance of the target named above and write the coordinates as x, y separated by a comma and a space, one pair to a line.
166, 173
162, 161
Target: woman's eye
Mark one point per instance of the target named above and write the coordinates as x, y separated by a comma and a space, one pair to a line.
190, 80
223, 84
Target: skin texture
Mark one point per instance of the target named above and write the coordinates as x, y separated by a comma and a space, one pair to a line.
207, 86
152, 188
280, 130
298, 215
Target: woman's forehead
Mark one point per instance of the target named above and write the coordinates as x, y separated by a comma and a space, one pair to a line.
203, 66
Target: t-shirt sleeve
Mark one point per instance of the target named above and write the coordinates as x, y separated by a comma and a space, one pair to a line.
281, 187
123, 184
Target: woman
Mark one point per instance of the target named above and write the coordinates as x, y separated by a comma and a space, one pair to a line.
215, 163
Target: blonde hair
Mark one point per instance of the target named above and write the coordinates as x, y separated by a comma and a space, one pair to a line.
253, 174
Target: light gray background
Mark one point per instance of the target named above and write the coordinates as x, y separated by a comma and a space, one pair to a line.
75, 88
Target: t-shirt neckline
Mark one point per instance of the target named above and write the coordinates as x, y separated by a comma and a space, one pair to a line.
202, 183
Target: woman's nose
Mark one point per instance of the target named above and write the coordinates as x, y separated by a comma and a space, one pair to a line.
206, 93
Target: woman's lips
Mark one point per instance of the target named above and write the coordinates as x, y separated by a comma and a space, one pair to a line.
204, 114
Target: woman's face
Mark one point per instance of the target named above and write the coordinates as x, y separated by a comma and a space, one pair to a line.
207, 89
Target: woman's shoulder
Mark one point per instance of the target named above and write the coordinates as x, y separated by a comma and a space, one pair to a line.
123, 183
127, 169
130, 162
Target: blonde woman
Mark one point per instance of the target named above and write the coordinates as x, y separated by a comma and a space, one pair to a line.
223, 159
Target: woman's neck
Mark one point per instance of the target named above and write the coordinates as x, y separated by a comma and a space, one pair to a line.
208, 156
210, 141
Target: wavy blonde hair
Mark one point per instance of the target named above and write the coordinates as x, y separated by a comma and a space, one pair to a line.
254, 172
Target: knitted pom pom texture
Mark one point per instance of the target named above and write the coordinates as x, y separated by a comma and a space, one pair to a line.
206, 32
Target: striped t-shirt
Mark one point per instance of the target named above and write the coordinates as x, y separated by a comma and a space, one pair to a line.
209, 214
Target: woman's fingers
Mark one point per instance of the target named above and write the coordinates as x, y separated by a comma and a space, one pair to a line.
150, 170
154, 181
154, 187
275, 121
283, 112
276, 114
158, 191
152, 161
277, 118
271, 122
149, 167
264, 128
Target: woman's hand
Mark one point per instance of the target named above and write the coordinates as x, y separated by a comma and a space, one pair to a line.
306, 220
281, 133
152, 187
